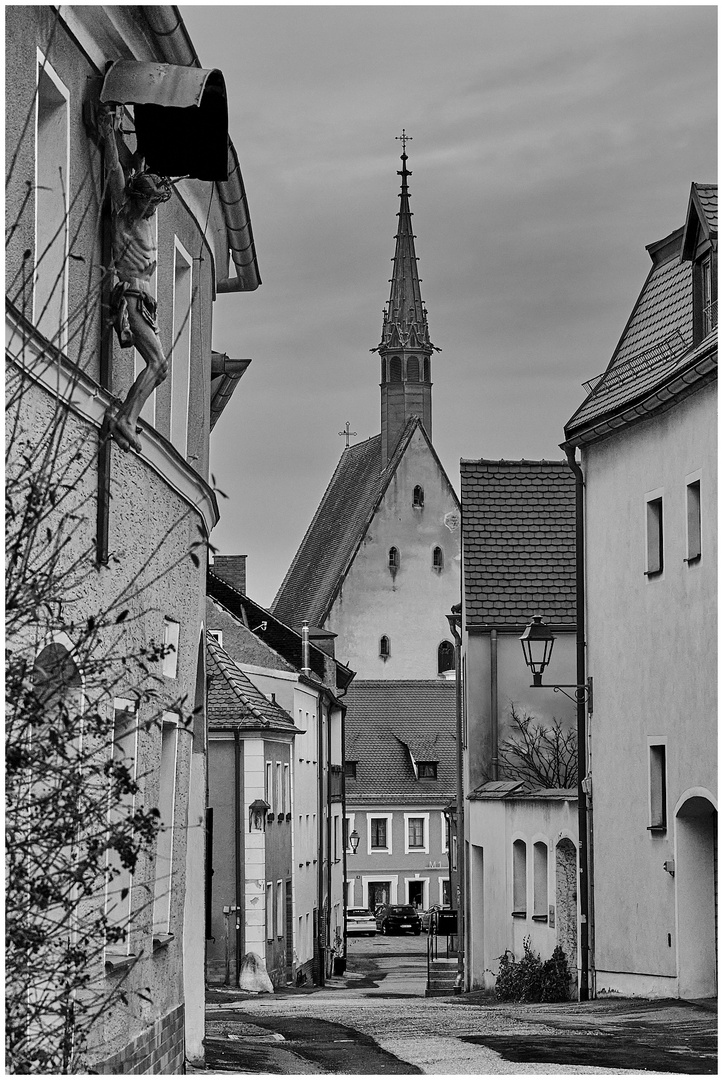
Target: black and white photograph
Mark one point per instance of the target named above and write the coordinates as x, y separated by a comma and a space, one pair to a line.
361, 446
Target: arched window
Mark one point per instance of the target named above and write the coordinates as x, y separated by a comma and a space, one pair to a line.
393, 558
418, 496
395, 369
384, 369
438, 559
426, 369
539, 890
413, 369
56, 677
384, 647
445, 657
519, 878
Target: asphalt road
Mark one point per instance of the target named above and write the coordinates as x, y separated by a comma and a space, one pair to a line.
376, 1021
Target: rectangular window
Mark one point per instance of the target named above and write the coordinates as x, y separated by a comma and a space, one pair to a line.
287, 789
654, 536
658, 793
336, 838
279, 789
415, 826
692, 494
118, 889
164, 842
428, 770
270, 786
379, 832
454, 852
52, 187
539, 882
217, 635
180, 355
350, 769
269, 911
171, 633
280, 910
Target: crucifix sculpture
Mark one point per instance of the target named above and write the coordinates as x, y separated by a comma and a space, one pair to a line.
135, 193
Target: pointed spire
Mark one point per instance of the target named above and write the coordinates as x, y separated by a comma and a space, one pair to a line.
405, 317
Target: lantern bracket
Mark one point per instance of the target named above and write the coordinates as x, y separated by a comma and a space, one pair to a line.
583, 691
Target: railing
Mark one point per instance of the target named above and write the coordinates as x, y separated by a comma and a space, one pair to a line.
663, 353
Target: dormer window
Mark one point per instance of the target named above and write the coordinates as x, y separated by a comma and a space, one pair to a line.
418, 497
427, 770
350, 769
384, 647
393, 559
438, 560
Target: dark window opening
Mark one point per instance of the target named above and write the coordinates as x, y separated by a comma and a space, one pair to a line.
379, 832
426, 369
384, 369
445, 657
658, 795
693, 512
654, 538
427, 770
350, 769
384, 647
393, 558
413, 369
438, 559
395, 369
418, 496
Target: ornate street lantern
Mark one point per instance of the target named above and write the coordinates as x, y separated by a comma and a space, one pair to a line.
537, 641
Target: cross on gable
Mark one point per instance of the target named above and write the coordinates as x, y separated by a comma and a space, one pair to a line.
347, 433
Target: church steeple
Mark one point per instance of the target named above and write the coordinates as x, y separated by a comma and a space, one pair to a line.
405, 349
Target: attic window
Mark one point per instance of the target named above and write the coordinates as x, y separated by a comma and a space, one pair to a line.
427, 770
384, 647
350, 769
217, 636
393, 558
438, 560
418, 496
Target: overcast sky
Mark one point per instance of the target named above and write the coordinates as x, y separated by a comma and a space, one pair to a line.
549, 146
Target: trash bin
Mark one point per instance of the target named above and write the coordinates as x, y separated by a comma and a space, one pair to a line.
339, 965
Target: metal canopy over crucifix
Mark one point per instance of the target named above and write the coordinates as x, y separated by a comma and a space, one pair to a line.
347, 433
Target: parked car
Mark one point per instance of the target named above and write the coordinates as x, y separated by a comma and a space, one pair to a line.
360, 920
398, 919
427, 915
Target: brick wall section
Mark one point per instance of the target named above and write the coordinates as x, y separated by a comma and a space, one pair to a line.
159, 1050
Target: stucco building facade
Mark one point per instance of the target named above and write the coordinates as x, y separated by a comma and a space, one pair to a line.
646, 435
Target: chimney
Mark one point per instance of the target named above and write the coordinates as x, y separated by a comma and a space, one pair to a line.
232, 570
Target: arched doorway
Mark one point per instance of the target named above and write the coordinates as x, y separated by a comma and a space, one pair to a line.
696, 825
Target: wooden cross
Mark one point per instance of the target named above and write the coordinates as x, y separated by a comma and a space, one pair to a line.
404, 139
347, 433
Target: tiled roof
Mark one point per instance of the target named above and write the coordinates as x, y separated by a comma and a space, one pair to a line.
384, 718
234, 701
337, 529
657, 341
518, 535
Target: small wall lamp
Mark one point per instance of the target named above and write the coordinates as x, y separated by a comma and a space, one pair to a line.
537, 641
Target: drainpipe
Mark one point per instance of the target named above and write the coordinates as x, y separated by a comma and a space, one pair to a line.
237, 847
321, 921
329, 862
454, 620
583, 786
494, 730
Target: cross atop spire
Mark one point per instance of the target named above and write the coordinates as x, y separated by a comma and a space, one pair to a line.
404, 139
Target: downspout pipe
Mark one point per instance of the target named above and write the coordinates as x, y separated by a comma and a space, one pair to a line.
320, 923
237, 846
494, 720
454, 625
582, 729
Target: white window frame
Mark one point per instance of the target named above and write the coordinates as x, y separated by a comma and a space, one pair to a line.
217, 636
445, 845
379, 850
279, 793
57, 268
180, 352
519, 871
171, 637
654, 533
693, 536
425, 890
540, 878
440, 890
269, 911
424, 849
270, 786
280, 908
654, 743
168, 769
118, 909
377, 879
287, 807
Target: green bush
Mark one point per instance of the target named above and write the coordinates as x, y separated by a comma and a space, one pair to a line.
529, 979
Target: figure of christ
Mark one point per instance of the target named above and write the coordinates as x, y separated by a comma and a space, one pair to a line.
135, 193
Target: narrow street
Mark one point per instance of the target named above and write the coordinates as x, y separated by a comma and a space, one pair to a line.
375, 1020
